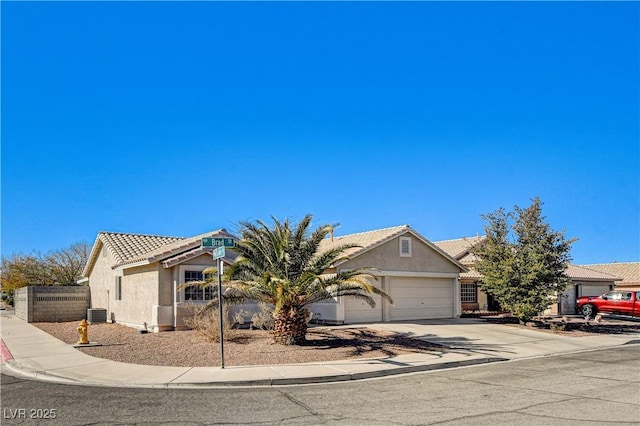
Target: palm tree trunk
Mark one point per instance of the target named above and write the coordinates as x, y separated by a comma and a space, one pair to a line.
290, 327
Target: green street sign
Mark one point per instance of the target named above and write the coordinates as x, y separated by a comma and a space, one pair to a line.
218, 252
217, 242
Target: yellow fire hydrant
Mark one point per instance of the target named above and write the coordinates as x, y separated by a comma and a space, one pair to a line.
83, 331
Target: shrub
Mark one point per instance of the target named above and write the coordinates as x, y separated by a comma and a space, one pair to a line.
263, 319
207, 324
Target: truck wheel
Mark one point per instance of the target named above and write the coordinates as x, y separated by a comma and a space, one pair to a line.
588, 310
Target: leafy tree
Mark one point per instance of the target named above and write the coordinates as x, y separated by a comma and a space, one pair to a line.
65, 265
20, 270
282, 266
523, 261
59, 267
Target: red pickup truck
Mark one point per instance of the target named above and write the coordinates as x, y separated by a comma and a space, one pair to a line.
623, 302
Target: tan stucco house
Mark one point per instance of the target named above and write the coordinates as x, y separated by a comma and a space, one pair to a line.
137, 277
585, 281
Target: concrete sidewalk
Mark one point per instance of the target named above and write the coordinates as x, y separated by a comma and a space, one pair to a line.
30, 352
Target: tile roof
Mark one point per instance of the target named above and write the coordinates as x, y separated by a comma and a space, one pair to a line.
371, 239
128, 249
471, 274
576, 273
124, 247
459, 248
628, 271
579, 273
366, 240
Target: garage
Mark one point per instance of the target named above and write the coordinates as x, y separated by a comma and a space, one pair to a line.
414, 299
593, 289
421, 298
421, 278
356, 310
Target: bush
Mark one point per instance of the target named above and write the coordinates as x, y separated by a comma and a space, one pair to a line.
263, 319
207, 323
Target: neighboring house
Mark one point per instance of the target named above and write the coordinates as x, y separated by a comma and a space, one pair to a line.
628, 271
584, 281
135, 277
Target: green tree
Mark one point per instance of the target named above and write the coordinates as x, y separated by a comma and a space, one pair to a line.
58, 267
523, 261
283, 266
20, 270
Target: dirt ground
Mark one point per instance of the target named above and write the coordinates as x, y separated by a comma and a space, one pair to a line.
255, 347
242, 347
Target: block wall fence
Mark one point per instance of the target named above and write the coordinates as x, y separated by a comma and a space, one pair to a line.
52, 304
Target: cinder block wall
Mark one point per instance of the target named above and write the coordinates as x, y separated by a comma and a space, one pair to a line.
52, 304
21, 301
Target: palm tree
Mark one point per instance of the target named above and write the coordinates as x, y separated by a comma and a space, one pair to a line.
283, 266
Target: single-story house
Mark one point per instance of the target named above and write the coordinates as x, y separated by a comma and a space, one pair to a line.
137, 277
584, 281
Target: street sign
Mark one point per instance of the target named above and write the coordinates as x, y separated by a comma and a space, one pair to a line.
217, 242
218, 252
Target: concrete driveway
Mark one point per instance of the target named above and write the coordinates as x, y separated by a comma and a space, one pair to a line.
501, 340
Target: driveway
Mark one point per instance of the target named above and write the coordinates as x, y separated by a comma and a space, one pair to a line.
502, 340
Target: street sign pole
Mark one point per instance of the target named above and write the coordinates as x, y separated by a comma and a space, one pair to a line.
219, 245
220, 319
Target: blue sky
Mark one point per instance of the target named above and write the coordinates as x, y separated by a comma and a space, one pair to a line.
178, 118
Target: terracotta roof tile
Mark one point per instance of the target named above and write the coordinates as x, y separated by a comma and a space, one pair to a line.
370, 239
628, 271
128, 249
366, 240
579, 273
459, 247
125, 247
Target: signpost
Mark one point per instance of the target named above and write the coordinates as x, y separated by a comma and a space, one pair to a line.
219, 245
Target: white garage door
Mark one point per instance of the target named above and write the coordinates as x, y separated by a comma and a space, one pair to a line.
421, 298
356, 310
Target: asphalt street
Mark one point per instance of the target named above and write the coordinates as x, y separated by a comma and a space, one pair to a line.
587, 388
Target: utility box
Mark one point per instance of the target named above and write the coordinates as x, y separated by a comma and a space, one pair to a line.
96, 315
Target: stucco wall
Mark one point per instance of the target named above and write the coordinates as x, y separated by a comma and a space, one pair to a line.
139, 295
102, 282
387, 257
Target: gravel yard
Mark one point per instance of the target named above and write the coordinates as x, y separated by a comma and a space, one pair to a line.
244, 347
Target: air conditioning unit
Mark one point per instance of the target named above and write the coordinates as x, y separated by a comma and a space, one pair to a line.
96, 315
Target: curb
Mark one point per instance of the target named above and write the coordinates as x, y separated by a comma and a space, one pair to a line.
46, 376
5, 353
347, 377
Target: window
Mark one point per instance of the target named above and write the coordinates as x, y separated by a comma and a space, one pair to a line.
405, 246
195, 292
118, 288
468, 293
